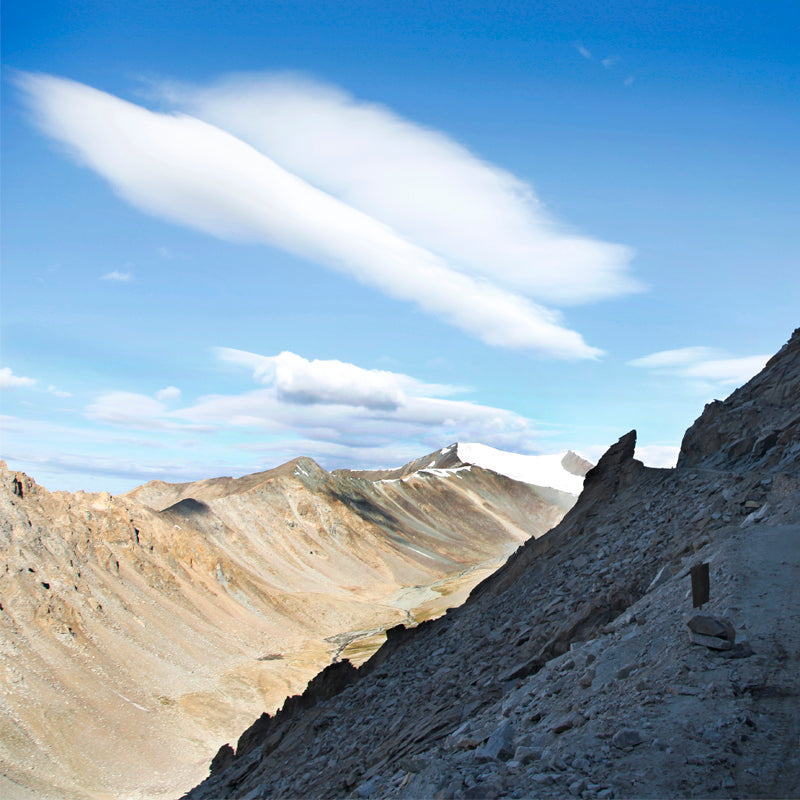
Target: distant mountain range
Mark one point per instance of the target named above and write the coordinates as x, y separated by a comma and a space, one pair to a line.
160, 622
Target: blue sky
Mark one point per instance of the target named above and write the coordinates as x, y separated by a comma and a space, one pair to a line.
237, 233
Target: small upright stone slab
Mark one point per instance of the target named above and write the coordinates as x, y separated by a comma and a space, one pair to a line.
701, 584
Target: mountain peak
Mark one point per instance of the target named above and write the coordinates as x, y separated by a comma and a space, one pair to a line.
563, 471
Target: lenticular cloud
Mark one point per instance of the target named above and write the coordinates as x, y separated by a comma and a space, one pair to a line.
386, 202
422, 183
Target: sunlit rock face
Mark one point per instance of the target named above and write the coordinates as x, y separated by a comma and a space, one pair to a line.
158, 624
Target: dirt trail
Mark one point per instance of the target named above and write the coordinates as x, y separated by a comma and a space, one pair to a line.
769, 594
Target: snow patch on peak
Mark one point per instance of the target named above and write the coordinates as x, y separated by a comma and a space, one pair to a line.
536, 470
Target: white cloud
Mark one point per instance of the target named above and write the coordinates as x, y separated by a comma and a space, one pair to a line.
428, 187
169, 394
610, 61
58, 392
708, 367
651, 455
332, 407
728, 370
298, 380
128, 409
8, 380
669, 359
629, 80
583, 51
473, 239
116, 275
658, 455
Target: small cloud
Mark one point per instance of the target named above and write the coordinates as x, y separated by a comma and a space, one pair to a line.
705, 366
658, 455
128, 409
165, 252
8, 380
583, 51
58, 392
116, 275
298, 380
610, 61
668, 359
168, 394
629, 80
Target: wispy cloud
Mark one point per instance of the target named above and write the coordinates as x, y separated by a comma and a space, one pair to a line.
169, 394
116, 275
8, 380
432, 190
607, 63
400, 208
331, 407
706, 367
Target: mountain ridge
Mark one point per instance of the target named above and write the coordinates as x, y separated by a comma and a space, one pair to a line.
186, 609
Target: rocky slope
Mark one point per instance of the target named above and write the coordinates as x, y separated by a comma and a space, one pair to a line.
158, 623
571, 671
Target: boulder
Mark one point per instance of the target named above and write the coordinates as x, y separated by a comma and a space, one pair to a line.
500, 744
626, 738
708, 625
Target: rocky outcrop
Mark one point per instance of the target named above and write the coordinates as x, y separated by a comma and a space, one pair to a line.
162, 622
569, 672
757, 427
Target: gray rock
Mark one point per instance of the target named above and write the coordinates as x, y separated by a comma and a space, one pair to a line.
581, 764
587, 678
411, 764
625, 671
452, 791
500, 744
526, 755
708, 625
740, 650
713, 642
662, 576
489, 789
625, 738
576, 787
573, 720
370, 787
424, 785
